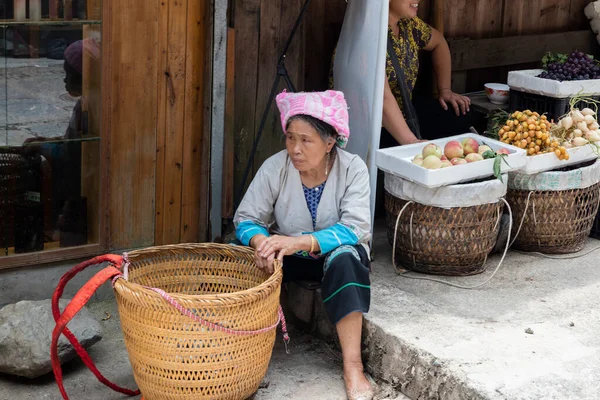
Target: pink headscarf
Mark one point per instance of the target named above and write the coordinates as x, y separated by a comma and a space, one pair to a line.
329, 106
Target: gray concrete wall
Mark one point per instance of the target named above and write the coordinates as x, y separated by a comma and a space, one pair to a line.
219, 63
38, 282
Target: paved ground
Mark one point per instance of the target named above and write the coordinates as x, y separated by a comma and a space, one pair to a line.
312, 371
531, 333
38, 103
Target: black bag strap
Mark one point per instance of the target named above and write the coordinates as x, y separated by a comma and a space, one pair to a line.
408, 108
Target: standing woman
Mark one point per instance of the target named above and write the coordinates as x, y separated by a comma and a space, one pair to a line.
308, 206
403, 115
406, 119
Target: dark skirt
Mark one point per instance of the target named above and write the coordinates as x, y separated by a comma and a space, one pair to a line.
344, 277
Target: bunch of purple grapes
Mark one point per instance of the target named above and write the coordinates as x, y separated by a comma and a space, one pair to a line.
578, 66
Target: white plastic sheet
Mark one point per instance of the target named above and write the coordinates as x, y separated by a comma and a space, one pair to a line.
359, 72
580, 178
451, 196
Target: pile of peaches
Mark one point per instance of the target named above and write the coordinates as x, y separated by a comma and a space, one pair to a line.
455, 153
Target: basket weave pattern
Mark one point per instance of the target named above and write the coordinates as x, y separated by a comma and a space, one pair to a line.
556, 222
175, 357
454, 242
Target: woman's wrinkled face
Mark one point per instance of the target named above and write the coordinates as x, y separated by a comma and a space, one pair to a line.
306, 147
404, 8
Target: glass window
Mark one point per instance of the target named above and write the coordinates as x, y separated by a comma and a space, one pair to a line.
49, 124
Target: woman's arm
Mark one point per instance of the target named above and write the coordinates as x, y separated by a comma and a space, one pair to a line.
355, 211
442, 66
353, 226
393, 120
254, 215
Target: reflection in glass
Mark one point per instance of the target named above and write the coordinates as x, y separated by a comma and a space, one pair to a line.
49, 129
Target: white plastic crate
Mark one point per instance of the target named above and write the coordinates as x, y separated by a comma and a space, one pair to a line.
549, 161
398, 161
528, 82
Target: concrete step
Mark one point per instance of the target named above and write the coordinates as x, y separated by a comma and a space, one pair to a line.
530, 333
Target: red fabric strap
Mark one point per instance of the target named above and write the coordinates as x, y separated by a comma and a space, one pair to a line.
78, 302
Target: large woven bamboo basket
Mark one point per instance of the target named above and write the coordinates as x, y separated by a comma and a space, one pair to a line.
556, 222
432, 240
177, 358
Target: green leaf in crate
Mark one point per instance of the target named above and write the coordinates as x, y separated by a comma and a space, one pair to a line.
488, 154
499, 158
497, 169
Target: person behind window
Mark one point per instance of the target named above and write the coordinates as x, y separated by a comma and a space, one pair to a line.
64, 154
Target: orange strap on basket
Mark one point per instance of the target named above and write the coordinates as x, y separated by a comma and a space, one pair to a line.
78, 302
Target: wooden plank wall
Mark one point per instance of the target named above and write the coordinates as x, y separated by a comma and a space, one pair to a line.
261, 26
477, 19
154, 139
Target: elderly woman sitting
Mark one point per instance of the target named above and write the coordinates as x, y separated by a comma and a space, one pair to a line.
308, 206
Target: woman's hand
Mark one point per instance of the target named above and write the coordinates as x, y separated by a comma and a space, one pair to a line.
280, 246
264, 263
461, 104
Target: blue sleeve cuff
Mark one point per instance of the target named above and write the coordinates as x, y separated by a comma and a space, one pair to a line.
246, 230
338, 235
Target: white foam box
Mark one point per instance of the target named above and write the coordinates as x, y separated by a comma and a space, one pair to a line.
528, 82
549, 161
398, 161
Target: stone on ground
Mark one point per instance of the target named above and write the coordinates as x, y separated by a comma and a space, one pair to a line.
26, 334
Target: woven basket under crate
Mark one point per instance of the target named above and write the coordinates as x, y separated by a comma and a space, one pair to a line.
596, 227
174, 356
556, 222
432, 240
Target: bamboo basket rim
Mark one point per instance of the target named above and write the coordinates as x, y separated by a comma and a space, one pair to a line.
261, 290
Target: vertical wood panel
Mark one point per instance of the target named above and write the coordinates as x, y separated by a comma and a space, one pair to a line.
270, 44
161, 112
322, 26
175, 77
473, 18
229, 140
105, 213
295, 56
130, 88
195, 85
577, 18
94, 9
522, 18
425, 10
554, 16
205, 178
247, 25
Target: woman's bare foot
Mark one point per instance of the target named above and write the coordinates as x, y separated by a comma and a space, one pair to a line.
358, 386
